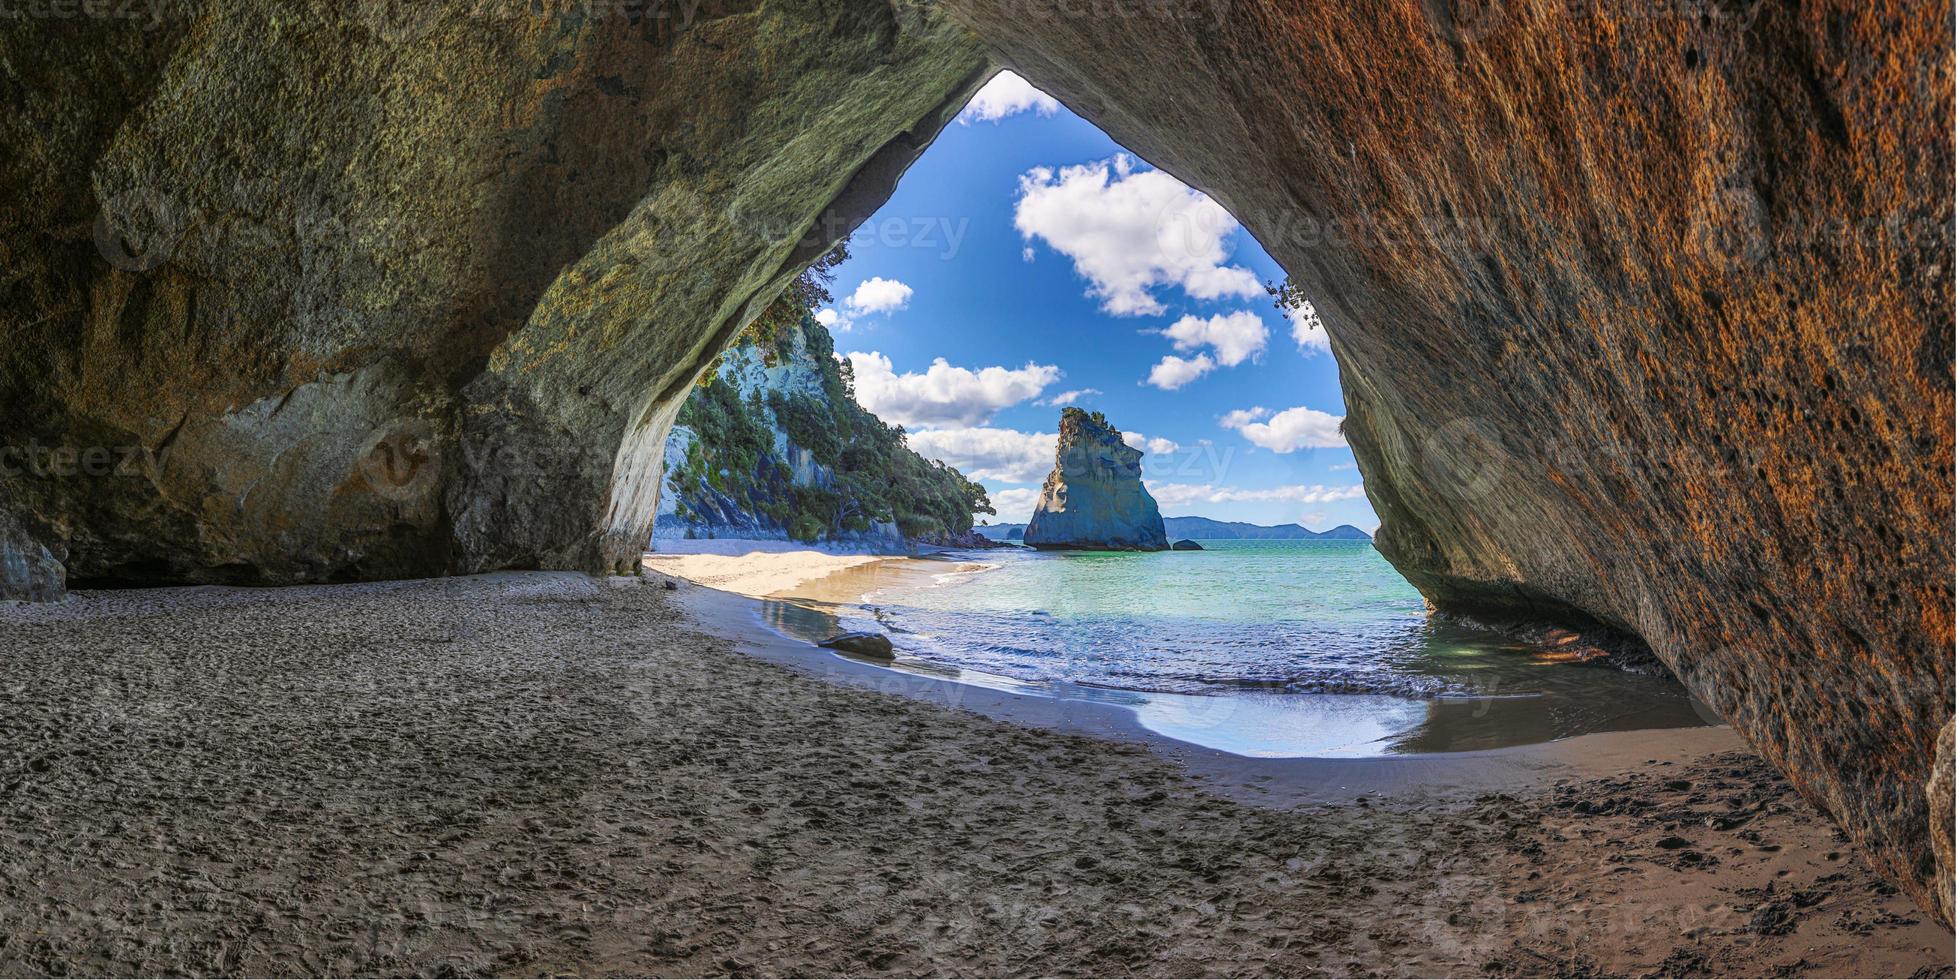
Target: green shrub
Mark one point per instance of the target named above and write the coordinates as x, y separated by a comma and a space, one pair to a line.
875, 475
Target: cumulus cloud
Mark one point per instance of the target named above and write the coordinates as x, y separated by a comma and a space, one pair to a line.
1243, 416
943, 395
1308, 329
1129, 232
1288, 431
1173, 372
879, 295
1234, 336
1069, 397
834, 321
1015, 505
1170, 495
1006, 455
1158, 446
1005, 95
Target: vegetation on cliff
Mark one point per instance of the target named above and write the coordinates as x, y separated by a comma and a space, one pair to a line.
754, 450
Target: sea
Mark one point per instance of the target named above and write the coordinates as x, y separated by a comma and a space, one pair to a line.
1265, 648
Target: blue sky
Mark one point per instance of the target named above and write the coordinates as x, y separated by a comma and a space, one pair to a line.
1034, 257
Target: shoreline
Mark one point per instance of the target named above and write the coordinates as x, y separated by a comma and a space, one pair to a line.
743, 621
543, 773
1291, 737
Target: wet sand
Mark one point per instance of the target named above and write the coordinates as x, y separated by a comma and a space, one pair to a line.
540, 773
828, 589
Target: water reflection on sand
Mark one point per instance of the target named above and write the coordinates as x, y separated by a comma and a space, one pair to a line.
1253, 721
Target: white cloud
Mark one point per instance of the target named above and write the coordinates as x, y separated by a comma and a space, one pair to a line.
1290, 430
1343, 466
834, 321
1173, 372
1187, 494
1006, 455
1243, 416
1026, 253
1234, 336
1015, 505
943, 395
1129, 232
1005, 95
879, 295
1308, 329
1069, 397
1160, 447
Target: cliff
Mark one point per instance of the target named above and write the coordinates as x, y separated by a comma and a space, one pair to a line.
1643, 316
1094, 498
772, 445
1642, 312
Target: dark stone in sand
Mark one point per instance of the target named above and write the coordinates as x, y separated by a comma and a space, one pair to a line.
1674, 843
862, 644
1185, 545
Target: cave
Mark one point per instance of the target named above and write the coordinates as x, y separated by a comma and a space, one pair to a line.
1643, 317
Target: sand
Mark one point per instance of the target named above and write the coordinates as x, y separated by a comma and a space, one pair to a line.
538, 773
756, 573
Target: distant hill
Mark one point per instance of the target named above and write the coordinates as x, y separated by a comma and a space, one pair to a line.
1344, 532
1002, 532
1203, 527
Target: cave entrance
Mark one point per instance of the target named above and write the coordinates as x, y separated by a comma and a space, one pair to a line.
1028, 265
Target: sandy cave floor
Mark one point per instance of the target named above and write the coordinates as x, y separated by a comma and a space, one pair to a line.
522, 774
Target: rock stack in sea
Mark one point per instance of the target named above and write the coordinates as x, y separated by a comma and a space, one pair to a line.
1094, 498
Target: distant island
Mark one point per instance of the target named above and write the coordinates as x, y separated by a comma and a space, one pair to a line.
1200, 528
1203, 527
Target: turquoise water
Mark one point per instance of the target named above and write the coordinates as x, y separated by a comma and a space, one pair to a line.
1263, 647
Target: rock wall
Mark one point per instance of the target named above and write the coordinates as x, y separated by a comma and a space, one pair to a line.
342, 291
1094, 498
1643, 313
743, 475
1643, 309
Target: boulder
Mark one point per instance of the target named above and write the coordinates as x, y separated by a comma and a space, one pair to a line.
1186, 545
1094, 498
863, 644
28, 570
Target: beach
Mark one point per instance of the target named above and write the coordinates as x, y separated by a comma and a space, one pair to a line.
531, 773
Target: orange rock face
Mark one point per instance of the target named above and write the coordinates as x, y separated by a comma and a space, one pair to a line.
1643, 311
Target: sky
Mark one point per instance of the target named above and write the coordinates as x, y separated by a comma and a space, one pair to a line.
1027, 262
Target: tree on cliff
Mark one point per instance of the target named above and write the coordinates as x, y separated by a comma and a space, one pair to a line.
873, 475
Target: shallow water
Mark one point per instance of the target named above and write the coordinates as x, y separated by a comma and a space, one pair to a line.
1255, 647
